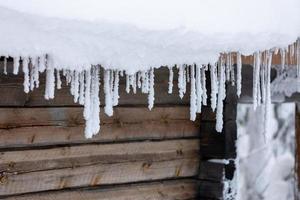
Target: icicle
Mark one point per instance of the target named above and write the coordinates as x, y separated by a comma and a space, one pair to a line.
31, 67
203, 79
239, 74
58, 80
171, 74
193, 97
81, 88
145, 82
268, 92
139, 76
228, 66
198, 88
25, 68
5, 66
50, 80
263, 78
69, 78
16, 65
221, 97
108, 96
256, 87
214, 87
87, 95
232, 71
116, 89
92, 102
127, 83
42, 66
133, 82
96, 101
184, 79
180, 81
36, 72
75, 85
151, 89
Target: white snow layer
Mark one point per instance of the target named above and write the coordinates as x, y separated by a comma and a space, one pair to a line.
135, 37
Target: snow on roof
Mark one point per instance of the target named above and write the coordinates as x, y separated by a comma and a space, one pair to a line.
135, 35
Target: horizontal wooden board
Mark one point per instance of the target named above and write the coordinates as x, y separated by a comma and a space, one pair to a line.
167, 190
21, 127
11, 88
24, 161
98, 174
73, 116
58, 135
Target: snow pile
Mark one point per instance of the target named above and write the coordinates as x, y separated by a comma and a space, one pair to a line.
265, 160
43, 37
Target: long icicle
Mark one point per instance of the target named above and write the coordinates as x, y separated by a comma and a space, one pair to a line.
204, 91
239, 74
81, 88
198, 88
221, 96
151, 89
16, 65
268, 92
25, 68
58, 80
50, 80
108, 109
193, 96
5, 66
36, 74
214, 88
180, 81
171, 74
96, 101
116, 89
87, 95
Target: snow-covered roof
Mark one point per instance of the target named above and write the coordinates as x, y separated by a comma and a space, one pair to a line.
135, 34
74, 38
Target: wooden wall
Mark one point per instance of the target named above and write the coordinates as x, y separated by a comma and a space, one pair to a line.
139, 154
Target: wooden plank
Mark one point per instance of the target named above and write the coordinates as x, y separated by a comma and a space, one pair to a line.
75, 156
167, 190
98, 174
116, 132
13, 95
73, 116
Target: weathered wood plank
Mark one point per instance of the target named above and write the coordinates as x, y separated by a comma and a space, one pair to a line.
13, 95
98, 174
167, 190
73, 116
75, 156
116, 132
208, 189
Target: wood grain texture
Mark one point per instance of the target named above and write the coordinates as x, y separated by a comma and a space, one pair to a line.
73, 116
98, 174
26, 127
167, 190
24, 161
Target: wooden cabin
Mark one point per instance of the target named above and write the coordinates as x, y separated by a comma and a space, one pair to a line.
139, 154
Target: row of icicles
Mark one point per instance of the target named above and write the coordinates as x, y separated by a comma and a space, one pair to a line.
85, 85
